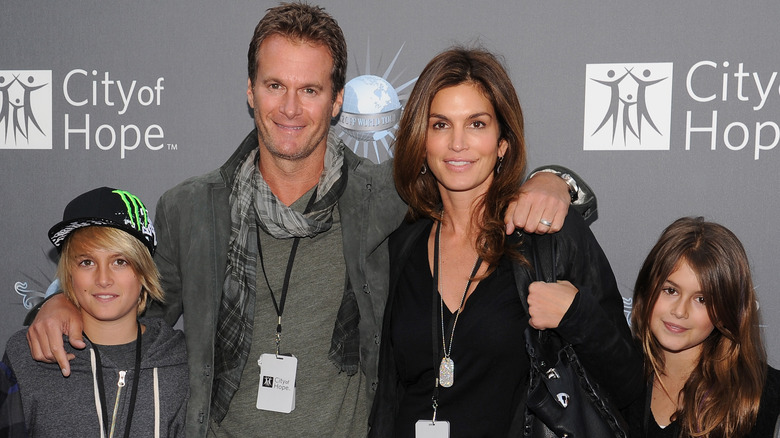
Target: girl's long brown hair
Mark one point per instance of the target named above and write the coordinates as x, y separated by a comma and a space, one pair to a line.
453, 67
722, 394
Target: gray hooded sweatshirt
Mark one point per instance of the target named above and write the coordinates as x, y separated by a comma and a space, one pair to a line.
55, 406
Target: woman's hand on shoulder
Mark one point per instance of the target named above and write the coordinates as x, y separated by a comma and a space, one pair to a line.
548, 302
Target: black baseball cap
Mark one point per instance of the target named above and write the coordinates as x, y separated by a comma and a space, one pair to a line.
106, 207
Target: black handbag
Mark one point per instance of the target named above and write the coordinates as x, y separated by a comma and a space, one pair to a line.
562, 401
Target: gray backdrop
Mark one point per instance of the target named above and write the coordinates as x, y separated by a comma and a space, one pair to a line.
688, 92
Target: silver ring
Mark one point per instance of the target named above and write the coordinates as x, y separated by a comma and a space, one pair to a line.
545, 222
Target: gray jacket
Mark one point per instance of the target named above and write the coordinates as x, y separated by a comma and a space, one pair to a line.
193, 228
65, 407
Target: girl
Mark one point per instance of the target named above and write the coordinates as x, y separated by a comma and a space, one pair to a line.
696, 318
131, 380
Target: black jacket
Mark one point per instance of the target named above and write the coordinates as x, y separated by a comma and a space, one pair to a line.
595, 323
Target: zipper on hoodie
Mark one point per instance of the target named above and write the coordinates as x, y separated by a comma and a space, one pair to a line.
120, 384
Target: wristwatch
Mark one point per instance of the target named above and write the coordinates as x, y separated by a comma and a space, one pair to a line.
574, 189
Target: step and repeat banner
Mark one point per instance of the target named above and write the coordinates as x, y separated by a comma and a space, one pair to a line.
666, 109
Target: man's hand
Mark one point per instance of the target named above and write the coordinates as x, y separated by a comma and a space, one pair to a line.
543, 199
57, 317
548, 302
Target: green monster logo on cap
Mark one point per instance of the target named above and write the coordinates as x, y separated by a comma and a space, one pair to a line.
135, 210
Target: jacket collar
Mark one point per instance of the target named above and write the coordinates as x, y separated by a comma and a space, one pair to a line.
228, 170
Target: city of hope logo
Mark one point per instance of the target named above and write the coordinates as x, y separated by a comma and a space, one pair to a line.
627, 106
25, 109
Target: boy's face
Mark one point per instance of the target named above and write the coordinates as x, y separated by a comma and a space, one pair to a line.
104, 283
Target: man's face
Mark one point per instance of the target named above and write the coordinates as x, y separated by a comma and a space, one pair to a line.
292, 97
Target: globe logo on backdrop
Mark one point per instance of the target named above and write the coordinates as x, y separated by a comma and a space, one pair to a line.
371, 108
371, 111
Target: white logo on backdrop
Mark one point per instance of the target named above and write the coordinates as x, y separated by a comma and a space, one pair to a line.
25, 109
371, 111
628, 305
30, 296
628, 106
34, 285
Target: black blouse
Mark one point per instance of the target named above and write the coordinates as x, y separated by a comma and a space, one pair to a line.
491, 366
643, 425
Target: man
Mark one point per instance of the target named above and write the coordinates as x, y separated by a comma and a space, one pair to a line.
264, 254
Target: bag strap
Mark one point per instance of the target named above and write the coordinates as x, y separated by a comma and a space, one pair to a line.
544, 255
539, 248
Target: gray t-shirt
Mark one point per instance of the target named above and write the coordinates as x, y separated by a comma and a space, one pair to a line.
327, 403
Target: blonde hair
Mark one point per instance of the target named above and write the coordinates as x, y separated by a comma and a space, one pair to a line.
136, 253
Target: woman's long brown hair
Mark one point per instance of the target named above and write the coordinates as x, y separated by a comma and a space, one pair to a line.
453, 67
722, 394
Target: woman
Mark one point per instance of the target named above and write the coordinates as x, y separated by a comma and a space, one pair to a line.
454, 314
696, 317
131, 380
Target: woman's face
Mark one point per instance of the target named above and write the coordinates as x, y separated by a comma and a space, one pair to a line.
680, 321
463, 140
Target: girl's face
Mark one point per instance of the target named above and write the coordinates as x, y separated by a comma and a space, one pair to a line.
680, 321
463, 143
104, 283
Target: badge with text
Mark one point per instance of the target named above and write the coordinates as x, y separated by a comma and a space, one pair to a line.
430, 429
277, 383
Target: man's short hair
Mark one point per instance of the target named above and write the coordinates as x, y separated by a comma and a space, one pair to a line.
305, 23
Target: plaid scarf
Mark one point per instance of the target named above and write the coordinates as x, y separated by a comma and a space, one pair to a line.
251, 204
280, 221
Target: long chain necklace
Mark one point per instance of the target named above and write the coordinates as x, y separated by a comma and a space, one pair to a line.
447, 366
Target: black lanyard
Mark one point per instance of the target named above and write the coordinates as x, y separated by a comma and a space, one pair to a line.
133, 392
280, 305
438, 350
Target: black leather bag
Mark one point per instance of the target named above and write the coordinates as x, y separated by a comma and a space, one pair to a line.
562, 401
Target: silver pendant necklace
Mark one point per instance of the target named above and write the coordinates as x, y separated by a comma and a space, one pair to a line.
447, 366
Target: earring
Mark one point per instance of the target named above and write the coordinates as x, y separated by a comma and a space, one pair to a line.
500, 162
424, 169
